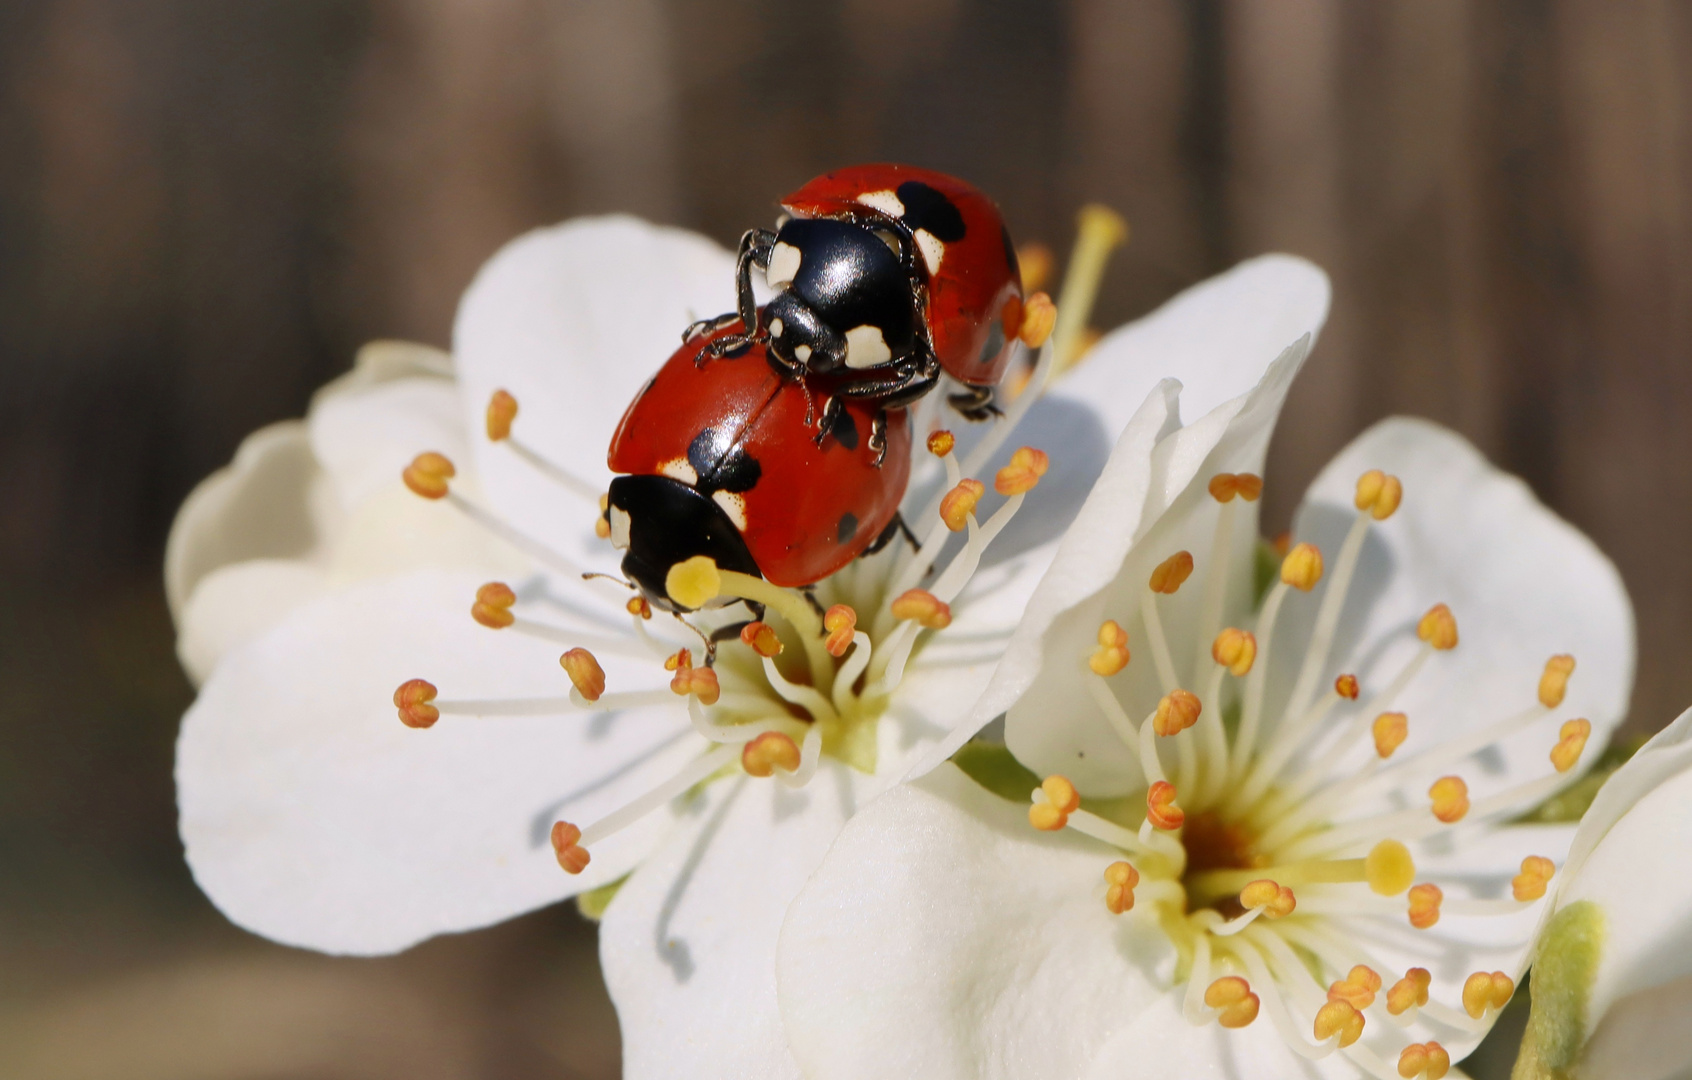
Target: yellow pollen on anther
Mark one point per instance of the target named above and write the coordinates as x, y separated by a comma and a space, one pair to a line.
1410, 991
571, 855
1039, 317
1177, 711
1483, 991
639, 606
493, 605
841, 622
679, 660
1428, 1061
693, 582
412, 699
1121, 878
1224, 486
1571, 740
1346, 687
940, 443
1554, 683
700, 682
1302, 568
585, 673
1061, 800
1161, 810
1424, 905
1338, 1018
1019, 477
1235, 650
1112, 654
1379, 494
761, 638
960, 502
427, 475
601, 525
1450, 798
922, 607
1438, 628
1536, 874
1171, 573
768, 752
1357, 989
1232, 996
1275, 899
1389, 868
1390, 730
502, 409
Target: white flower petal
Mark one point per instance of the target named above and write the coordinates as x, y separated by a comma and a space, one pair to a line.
311, 815
387, 360
365, 437
236, 603
1665, 757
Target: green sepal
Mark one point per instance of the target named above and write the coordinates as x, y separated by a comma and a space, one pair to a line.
1563, 974
592, 904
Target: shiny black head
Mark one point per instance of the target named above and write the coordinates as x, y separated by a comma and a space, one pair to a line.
846, 296
659, 522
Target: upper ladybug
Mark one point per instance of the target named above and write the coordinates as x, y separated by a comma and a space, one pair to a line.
889, 269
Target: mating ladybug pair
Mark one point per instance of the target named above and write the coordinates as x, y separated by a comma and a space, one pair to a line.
776, 441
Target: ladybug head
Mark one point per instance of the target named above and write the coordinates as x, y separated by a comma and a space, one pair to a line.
658, 522
845, 296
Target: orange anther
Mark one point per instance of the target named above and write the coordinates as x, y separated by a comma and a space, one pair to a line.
1177, 711
566, 845
1450, 797
1346, 687
1161, 810
1424, 905
1379, 494
1409, 992
1026, 467
1483, 991
427, 475
1428, 1061
1338, 1018
761, 638
1235, 650
1438, 627
1121, 878
1039, 315
1036, 262
941, 442
585, 673
1224, 486
1061, 800
1274, 898
959, 503
700, 682
493, 605
1390, 729
1112, 653
1302, 568
602, 523
680, 660
1357, 989
1233, 997
1171, 573
1536, 874
639, 606
1571, 740
924, 607
412, 699
841, 622
1554, 683
502, 409
768, 752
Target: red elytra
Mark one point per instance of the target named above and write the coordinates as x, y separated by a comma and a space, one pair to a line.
974, 288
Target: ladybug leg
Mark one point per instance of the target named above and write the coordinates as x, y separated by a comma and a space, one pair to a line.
896, 527
809, 592
755, 247
975, 403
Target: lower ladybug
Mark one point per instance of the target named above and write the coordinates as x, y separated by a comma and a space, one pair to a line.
716, 460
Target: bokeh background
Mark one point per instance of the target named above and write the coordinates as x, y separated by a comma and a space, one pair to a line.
205, 208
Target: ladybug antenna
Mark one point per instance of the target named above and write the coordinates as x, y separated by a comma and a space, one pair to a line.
589, 575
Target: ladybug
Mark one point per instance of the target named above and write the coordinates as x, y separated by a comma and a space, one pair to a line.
890, 271
709, 466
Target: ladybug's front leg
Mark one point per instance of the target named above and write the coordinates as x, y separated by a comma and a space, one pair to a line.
975, 403
755, 247
878, 436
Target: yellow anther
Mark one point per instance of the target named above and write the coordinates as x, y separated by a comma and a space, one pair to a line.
1357, 989
1121, 879
768, 752
1274, 898
700, 682
1061, 800
427, 475
502, 409
761, 638
1571, 740
1026, 467
1554, 683
1235, 650
1346, 687
1483, 991
1337, 1018
602, 523
1438, 627
1039, 317
941, 442
639, 606
1161, 810
923, 607
680, 660
1112, 653
1172, 573
960, 502
1232, 996
693, 582
1450, 798
412, 699
1536, 874
1177, 711
1390, 729
1409, 992
1302, 568
841, 622
567, 847
493, 605
1424, 905
1379, 494
585, 673
1388, 868
1224, 486
1037, 262
1427, 1061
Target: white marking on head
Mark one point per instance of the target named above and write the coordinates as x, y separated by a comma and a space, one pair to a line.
885, 201
866, 348
680, 469
803, 352
784, 265
619, 528
733, 505
932, 248
776, 327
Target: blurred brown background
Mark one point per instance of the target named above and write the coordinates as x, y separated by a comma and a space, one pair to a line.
205, 208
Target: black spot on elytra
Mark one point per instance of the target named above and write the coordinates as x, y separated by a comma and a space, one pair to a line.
722, 464
926, 208
847, 528
845, 430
